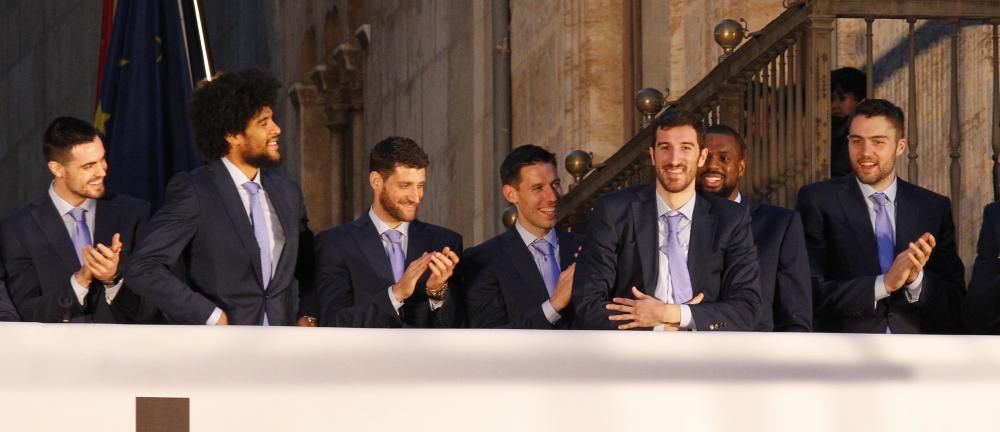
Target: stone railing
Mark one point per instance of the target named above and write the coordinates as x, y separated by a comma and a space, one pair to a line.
775, 90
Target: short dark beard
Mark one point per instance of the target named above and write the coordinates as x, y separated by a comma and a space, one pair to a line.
261, 160
391, 207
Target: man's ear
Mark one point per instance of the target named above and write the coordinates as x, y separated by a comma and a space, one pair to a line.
56, 168
375, 180
234, 140
510, 194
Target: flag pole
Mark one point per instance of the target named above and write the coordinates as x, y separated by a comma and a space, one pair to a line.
201, 39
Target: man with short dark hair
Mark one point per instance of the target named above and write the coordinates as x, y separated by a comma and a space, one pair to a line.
387, 268
848, 88
240, 231
523, 278
786, 297
64, 254
664, 256
871, 236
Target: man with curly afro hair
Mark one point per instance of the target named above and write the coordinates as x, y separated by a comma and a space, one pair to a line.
236, 228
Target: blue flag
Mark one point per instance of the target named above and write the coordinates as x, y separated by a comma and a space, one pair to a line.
143, 106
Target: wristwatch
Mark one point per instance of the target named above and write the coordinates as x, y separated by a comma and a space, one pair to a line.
438, 294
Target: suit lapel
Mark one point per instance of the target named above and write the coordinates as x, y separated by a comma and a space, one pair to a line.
644, 219
856, 213
52, 227
368, 241
567, 249
105, 221
702, 241
230, 199
520, 257
907, 214
280, 206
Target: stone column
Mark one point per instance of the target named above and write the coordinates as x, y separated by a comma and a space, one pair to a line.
314, 142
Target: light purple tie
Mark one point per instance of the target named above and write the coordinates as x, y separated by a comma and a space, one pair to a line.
884, 237
81, 235
396, 257
260, 233
545, 259
680, 279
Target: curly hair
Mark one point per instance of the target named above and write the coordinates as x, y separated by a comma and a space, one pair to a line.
225, 105
396, 151
63, 134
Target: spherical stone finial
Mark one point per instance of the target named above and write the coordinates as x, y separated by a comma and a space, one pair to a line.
578, 164
728, 34
649, 101
509, 216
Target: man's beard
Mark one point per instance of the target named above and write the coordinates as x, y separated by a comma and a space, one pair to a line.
261, 160
393, 209
661, 177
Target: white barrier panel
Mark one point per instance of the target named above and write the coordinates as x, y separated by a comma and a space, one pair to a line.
86, 377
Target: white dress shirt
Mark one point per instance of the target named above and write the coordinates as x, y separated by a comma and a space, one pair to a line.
404, 240
913, 289
664, 288
528, 238
90, 215
276, 235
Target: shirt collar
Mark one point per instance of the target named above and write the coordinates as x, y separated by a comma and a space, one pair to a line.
867, 190
64, 207
238, 177
739, 198
529, 238
381, 227
687, 209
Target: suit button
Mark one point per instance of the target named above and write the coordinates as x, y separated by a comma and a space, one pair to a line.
713, 326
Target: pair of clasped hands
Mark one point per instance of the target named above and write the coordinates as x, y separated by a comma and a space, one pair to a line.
100, 263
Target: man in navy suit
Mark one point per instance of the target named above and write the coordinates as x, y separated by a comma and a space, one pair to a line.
239, 230
981, 308
664, 256
523, 278
871, 235
64, 253
786, 296
387, 268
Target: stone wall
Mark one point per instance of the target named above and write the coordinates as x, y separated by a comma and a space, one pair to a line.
48, 68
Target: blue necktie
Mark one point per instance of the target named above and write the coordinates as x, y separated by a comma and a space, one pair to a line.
548, 266
396, 257
81, 235
883, 231
260, 233
680, 279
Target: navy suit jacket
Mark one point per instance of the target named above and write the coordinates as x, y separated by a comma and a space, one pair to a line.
505, 288
39, 259
785, 291
7, 311
353, 275
843, 257
204, 227
621, 252
981, 308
